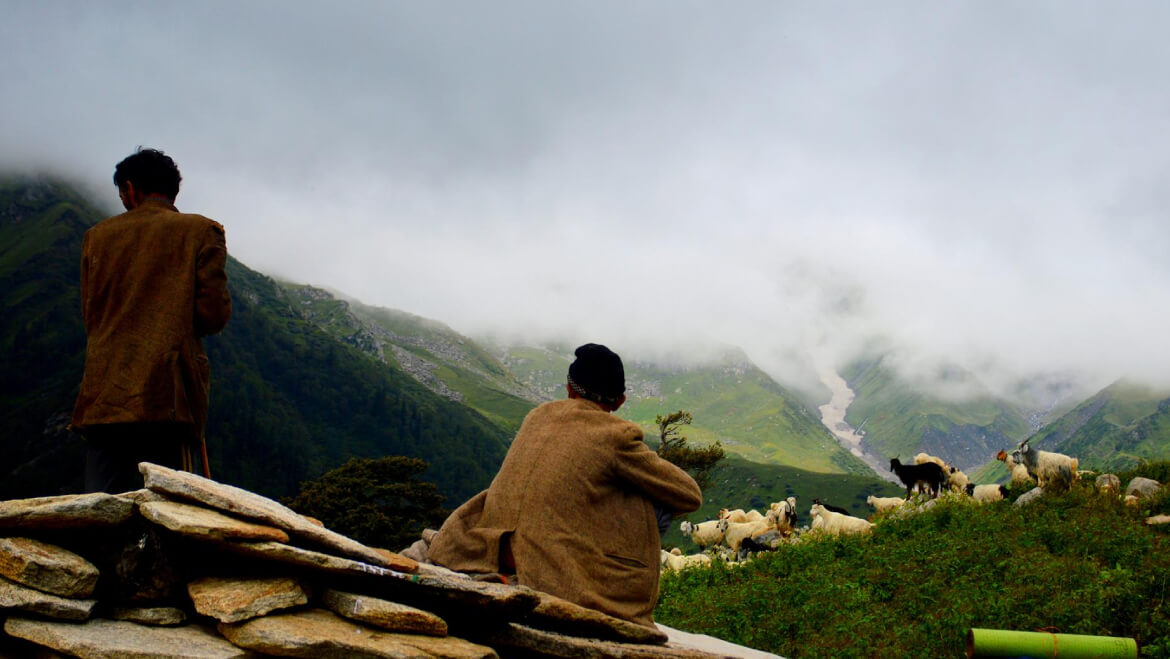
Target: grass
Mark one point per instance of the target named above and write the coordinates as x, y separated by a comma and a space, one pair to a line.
1080, 562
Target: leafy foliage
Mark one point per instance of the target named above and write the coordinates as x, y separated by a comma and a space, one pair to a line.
376, 501
699, 462
1081, 562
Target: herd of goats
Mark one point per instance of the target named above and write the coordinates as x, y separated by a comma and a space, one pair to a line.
736, 534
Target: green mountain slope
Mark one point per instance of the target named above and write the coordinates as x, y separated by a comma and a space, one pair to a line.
897, 418
1115, 429
443, 360
732, 401
288, 401
42, 341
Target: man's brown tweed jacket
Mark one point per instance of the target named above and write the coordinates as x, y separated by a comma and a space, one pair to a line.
576, 493
152, 283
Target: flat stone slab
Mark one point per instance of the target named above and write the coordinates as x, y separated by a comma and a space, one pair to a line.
556, 614
233, 600
30, 600
160, 616
509, 601
46, 567
319, 633
68, 511
197, 521
307, 558
383, 614
552, 644
124, 640
254, 506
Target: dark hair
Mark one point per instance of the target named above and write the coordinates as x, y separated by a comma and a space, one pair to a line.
151, 171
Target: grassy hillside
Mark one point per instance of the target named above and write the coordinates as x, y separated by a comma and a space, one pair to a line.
446, 362
1081, 563
900, 419
732, 401
288, 401
1122, 425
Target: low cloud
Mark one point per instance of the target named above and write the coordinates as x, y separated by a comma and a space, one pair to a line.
975, 185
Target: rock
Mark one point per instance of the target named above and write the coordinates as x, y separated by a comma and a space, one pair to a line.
556, 614
1158, 519
68, 511
551, 644
233, 600
16, 596
46, 567
384, 614
1108, 483
253, 506
161, 616
1142, 487
319, 633
488, 598
124, 640
197, 521
142, 496
275, 551
1029, 496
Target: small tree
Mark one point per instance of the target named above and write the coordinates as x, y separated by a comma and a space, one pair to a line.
673, 446
376, 501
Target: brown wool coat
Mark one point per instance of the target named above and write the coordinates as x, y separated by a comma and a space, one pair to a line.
152, 283
576, 492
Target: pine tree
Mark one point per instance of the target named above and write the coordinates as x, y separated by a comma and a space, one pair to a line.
376, 501
673, 446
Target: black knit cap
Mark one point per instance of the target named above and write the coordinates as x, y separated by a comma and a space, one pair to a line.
597, 371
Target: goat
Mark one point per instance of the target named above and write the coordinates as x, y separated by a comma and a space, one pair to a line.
830, 507
835, 523
1019, 472
1049, 469
928, 473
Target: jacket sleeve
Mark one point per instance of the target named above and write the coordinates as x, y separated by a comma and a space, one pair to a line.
661, 481
213, 302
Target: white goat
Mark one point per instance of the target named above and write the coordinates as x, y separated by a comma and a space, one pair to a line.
986, 493
739, 516
833, 523
957, 480
884, 504
704, 534
735, 532
923, 458
1051, 470
1019, 471
675, 560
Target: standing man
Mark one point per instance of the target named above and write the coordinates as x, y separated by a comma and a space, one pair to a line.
152, 284
572, 510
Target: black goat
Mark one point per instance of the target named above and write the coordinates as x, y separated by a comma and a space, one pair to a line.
927, 473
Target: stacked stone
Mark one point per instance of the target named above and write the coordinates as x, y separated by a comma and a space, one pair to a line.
193, 568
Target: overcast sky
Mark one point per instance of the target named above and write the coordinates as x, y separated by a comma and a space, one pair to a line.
982, 182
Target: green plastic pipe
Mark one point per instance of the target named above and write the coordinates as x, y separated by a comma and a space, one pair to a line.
1004, 643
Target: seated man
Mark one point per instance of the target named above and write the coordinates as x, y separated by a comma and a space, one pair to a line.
572, 510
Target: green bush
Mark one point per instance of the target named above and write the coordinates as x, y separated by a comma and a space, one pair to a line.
1079, 562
